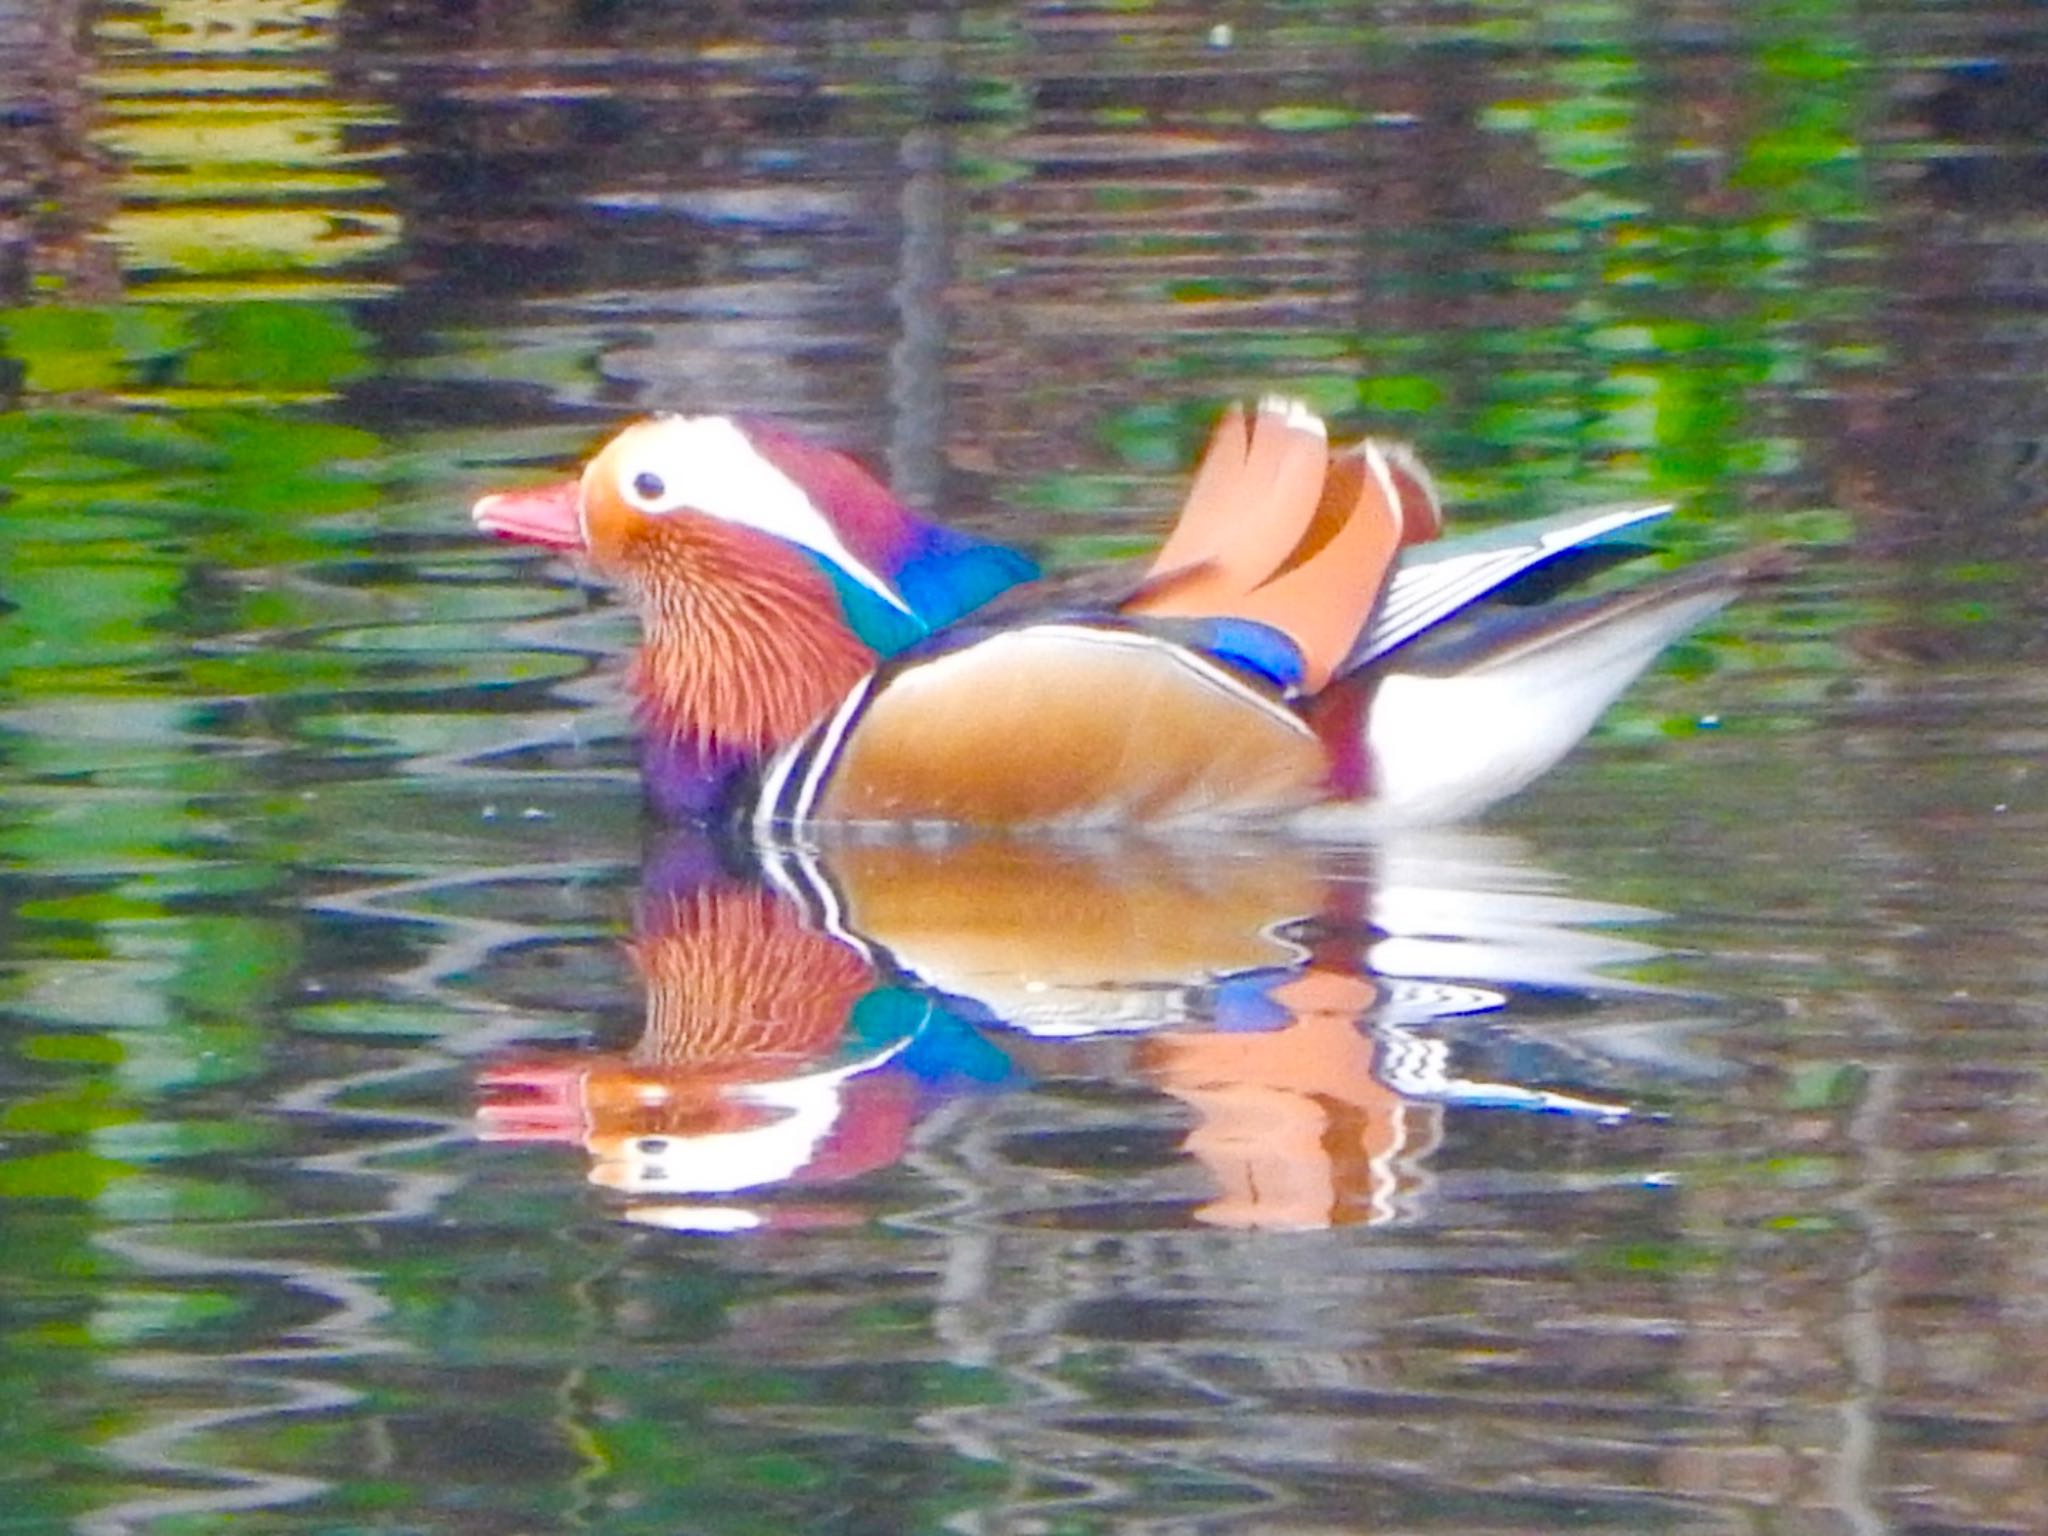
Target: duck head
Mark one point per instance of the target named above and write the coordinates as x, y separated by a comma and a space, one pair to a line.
770, 575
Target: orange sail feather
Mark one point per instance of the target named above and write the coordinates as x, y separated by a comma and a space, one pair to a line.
1278, 530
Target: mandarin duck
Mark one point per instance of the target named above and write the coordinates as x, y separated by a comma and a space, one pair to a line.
1302, 648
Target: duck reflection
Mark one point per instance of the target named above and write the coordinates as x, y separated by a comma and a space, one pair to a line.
807, 1007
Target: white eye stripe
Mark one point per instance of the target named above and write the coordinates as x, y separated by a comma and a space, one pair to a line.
705, 464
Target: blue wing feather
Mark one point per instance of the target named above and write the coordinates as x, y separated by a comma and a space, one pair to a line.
1242, 643
947, 577
949, 574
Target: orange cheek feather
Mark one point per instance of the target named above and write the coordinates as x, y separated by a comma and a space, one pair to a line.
744, 642
607, 524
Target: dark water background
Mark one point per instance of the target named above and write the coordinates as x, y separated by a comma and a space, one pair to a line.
1670, 1153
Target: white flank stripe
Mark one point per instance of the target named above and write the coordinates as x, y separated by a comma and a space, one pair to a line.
827, 751
775, 780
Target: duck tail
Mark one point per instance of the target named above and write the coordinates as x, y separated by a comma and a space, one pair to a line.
1457, 724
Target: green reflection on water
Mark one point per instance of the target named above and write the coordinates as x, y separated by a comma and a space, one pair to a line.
1689, 275
208, 616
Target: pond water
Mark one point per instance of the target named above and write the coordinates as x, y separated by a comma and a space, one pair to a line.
398, 1133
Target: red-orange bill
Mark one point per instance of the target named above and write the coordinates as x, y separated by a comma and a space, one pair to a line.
546, 514
531, 1101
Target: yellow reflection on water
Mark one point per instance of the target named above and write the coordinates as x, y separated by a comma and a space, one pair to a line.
235, 174
224, 26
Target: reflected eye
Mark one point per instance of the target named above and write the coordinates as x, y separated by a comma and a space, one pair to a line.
648, 486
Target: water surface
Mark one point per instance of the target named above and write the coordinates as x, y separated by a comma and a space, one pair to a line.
384, 1144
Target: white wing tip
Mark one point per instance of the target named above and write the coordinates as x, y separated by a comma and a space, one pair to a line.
1293, 411
1598, 524
1394, 466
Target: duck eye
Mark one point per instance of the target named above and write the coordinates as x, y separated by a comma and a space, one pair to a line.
648, 486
